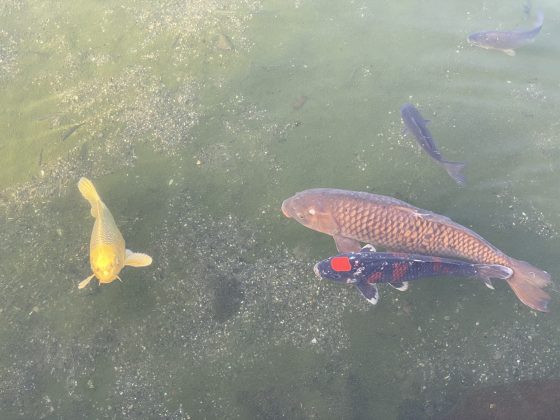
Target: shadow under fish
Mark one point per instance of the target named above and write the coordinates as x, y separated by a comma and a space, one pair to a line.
507, 41
530, 399
367, 268
415, 124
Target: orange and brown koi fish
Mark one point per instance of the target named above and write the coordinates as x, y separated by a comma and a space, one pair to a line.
107, 252
352, 217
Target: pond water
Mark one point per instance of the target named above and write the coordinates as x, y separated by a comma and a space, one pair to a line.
195, 120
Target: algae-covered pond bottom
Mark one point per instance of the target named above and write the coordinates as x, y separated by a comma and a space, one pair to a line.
195, 120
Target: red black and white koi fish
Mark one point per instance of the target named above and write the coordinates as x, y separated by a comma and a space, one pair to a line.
367, 268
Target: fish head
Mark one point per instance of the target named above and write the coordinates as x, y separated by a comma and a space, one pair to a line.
476, 38
106, 263
339, 269
312, 209
486, 39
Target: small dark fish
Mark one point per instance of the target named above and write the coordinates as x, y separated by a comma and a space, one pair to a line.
41, 157
416, 125
366, 268
70, 131
507, 41
527, 8
176, 41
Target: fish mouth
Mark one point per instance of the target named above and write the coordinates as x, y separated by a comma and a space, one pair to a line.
471, 39
286, 208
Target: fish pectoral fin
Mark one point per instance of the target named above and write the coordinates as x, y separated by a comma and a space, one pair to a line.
401, 286
85, 282
368, 248
137, 259
369, 291
346, 244
510, 52
488, 283
493, 271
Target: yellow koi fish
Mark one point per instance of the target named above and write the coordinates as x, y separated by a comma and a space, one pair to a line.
107, 252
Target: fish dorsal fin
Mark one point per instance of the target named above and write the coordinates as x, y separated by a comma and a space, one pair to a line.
368, 248
434, 217
424, 214
403, 206
137, 259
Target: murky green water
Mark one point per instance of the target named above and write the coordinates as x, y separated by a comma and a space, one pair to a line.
195, 120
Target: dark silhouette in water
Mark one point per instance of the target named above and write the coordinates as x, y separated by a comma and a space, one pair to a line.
506, 41
535, 400
416, 125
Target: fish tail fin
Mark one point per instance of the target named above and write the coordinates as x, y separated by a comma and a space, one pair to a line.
527, 283
455, 171
89, 192
493, 271
539, 18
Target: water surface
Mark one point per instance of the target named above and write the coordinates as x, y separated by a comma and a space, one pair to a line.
194, 131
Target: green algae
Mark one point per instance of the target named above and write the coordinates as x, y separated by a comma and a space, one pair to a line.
193, 147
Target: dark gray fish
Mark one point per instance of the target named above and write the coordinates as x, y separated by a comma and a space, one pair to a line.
507, 41
176, 41
70, 131
416, 125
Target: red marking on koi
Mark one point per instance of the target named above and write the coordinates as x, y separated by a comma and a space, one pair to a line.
399, 270
375, 277
341, 264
